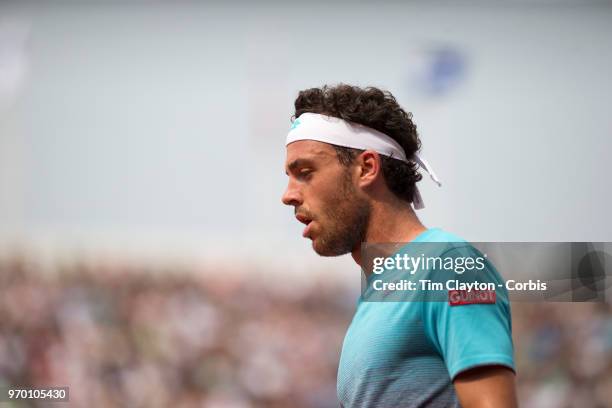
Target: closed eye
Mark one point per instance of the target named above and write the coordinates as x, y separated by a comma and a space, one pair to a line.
305, 173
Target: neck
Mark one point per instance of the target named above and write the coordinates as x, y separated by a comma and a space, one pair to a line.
390, 221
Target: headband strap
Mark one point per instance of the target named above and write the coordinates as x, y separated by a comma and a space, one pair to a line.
332, 130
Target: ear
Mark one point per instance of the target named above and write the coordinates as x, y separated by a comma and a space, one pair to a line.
369, 167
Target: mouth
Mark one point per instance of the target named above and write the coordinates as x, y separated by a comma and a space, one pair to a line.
306, 221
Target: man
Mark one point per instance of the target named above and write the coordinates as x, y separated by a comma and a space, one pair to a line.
352, 165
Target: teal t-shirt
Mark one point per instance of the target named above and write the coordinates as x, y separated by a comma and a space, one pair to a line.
406, 353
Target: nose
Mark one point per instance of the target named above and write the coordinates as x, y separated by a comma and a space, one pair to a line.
292, 195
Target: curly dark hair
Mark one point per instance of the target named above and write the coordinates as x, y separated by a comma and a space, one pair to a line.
378, 110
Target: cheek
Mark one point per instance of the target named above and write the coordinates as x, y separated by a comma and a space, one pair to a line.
327, 194
332, 207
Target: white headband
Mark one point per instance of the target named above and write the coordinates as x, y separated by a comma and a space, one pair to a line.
328, 129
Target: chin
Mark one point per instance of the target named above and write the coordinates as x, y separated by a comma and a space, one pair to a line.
317, 248
326, 251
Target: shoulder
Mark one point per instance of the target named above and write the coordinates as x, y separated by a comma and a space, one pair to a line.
439, 235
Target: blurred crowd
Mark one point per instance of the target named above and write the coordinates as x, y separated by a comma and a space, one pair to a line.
563, 353
121, 336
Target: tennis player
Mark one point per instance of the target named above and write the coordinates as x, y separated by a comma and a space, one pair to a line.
352, 162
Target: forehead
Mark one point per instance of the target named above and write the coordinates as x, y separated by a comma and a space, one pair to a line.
309, 150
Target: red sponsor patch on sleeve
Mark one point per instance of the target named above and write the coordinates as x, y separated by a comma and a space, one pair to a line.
471, 297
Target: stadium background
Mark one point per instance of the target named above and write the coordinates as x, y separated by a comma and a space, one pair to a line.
145, 257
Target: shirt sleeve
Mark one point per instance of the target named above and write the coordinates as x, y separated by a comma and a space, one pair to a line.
469, 335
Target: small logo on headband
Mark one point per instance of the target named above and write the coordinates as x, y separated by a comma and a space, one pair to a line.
295, 124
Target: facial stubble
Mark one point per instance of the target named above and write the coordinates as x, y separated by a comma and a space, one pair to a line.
348, 215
